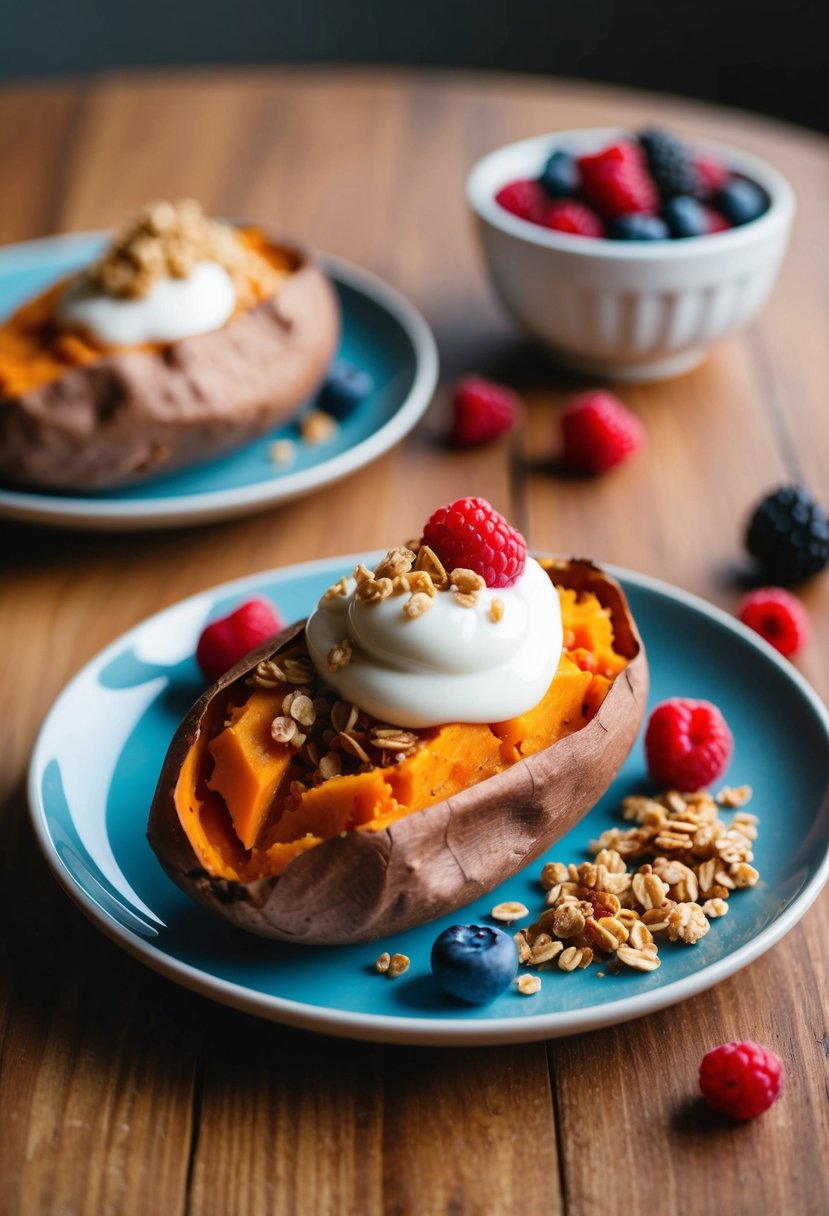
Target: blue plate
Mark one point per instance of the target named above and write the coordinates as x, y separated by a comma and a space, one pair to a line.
96, 761
381, 333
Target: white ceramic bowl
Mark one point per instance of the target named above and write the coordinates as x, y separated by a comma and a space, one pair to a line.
626, 310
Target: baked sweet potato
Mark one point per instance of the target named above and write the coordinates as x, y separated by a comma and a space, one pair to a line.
75, 416
362, 855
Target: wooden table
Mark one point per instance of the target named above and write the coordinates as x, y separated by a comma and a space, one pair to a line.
122, 1093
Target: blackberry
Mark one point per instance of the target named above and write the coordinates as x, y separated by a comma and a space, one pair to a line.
669, 162
788, 534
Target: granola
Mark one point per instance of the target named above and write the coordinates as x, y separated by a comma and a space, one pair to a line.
665, 878
164, 239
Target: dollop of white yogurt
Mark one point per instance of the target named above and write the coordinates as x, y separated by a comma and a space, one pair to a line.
172, 309
450, 664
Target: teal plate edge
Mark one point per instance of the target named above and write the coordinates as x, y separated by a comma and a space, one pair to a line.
146, 915
382, 332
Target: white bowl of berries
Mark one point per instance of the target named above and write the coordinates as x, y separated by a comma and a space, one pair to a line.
629, 254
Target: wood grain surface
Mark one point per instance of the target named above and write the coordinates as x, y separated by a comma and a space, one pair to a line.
121, 1093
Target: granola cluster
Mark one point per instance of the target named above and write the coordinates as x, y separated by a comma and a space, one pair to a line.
169, 239
416, 575
330, 737
687, 861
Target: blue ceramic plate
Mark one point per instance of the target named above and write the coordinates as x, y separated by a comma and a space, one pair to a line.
382, 333
96, 761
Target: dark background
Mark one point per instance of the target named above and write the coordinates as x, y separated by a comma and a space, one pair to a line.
766, 55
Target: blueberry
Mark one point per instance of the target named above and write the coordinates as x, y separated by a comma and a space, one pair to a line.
345, 387
474, 963
740, 200
633, 226
685, 216
560, 176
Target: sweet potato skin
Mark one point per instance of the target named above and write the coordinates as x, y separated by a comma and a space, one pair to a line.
364, 885
135, 414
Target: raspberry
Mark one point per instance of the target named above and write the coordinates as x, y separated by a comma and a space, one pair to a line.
687, 744
469, 533
523, 198
788, 533
567, 215
616, 182
598, 432
711, 174
740, 1079
226, 641
482, 410
669, 162
778, 616
716, 221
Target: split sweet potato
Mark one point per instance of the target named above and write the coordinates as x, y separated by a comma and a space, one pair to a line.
76, 416
370, 852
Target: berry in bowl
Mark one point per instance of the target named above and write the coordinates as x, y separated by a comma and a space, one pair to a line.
628, 255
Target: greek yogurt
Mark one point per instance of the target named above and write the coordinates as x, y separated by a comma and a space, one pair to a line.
453, 663
172, 309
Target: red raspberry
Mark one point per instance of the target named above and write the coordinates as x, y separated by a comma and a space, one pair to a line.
228, 640
598, 431
482, 410
471, 534
687, 744
616, 182
566, 215
740, 1079
716, 220
778, 616
526, 199
711, 173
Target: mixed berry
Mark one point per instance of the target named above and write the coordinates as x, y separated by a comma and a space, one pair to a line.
688, 744
648, 187
778, 616
598, 431
224, 642
788, 535
474, 963
471, 534
741, 1079
482, 410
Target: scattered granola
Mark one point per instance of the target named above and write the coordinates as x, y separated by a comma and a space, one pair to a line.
398, 964
509, 911
282, 452
528, 985
317, 426
687, 862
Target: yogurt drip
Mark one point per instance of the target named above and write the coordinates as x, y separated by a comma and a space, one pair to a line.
452, 663
172, 309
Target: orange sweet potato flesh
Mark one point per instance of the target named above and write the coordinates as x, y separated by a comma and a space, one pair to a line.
33, 351
252, 774
375, 852
248, 766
